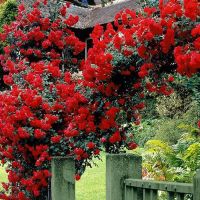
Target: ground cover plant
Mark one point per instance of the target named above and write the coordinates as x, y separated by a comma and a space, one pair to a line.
50, 111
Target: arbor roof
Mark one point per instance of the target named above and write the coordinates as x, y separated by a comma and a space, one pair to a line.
89, 17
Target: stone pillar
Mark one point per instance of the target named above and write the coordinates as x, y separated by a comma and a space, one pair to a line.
62, 182
196, 186
118, 168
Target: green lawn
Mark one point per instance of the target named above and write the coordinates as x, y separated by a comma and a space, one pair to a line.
92, 183
2, 175
90, 187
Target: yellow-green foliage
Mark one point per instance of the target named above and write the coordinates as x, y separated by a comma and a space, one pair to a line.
179, 162
158, 146
155, 156
8, 11
192, 156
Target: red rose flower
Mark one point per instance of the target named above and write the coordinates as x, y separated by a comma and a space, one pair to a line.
77, 177
90, 145
132, 145
56, 139
198, 124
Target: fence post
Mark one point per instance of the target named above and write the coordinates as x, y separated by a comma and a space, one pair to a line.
118, 168
196, 186
62, 182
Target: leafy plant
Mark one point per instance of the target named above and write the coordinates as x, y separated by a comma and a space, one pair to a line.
178, 162
8, 11
193, 84
166, 129
174, 105
145, 131
156, 160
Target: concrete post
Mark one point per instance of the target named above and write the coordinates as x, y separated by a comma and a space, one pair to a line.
118, 168
62, 182
196, 186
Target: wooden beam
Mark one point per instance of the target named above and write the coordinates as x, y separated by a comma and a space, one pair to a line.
185, 188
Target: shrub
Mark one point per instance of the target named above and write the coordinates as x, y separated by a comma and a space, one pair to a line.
8, 11
174, 105
170, 129
48, 110
166, 129
172, 163
193, 84
145, 131
156, 160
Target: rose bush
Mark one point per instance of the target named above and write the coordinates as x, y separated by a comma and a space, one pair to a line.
139, 53
49, 111
37, 112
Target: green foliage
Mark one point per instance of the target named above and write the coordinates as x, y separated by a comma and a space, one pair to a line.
166, 129
145, 131
150, 111
8, 11
151, 3
193, 84
164, 115
178, 162
170, 129
156, 159
176, 104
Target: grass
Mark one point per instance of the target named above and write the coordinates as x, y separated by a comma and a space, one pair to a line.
90, 187
3, 176
92, 183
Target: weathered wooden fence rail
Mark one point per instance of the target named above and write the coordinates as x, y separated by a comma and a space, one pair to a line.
123, 181
151, 188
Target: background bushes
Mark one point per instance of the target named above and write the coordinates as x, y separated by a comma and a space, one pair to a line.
8, 11
167, 129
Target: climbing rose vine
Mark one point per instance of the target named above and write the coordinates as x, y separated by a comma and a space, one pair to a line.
37, 113
139, 55
58, 106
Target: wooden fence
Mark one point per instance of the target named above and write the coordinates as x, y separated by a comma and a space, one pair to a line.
123, 181
150, 189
